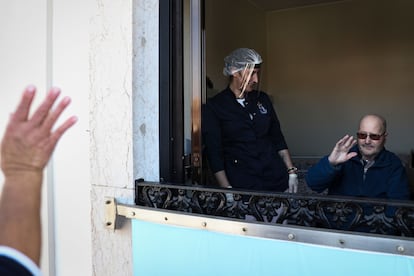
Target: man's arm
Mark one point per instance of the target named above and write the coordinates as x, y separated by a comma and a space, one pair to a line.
26, 148
398, 182
320, 176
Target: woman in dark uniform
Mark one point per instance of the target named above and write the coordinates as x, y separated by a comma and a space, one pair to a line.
241, 132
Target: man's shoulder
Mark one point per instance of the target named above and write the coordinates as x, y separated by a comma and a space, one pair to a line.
389, 158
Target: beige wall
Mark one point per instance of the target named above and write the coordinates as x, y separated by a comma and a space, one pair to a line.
328, 65
332, 64
232, 24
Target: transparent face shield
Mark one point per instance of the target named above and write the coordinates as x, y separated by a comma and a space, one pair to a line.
245, 63
250, 78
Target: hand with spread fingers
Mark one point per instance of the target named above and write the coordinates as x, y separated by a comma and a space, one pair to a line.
340, 152
29, 142
26, 147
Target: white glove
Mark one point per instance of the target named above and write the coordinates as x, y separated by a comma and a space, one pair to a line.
293, 183
229, 198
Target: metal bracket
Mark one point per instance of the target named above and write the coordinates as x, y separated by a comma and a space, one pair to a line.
110, 213
113, 210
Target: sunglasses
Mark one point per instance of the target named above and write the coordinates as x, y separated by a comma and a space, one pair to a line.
361, 135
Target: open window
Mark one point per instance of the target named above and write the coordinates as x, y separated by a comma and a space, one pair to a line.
325, 65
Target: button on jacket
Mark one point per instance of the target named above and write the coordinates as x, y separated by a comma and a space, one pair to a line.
245, 140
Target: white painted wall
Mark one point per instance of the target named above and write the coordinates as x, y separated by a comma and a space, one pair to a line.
43, 44
71, 164
111, 130
23, 55
104, 54
124, 118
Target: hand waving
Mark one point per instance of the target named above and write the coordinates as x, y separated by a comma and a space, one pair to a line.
29, 142
340, 152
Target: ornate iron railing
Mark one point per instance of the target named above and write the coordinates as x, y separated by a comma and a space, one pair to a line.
386, 217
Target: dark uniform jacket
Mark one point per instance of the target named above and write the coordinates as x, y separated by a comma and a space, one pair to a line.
244, 141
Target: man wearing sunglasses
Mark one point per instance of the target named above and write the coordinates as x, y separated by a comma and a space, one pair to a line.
362, 166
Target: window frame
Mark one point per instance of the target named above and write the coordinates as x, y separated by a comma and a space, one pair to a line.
173, 161
170, 92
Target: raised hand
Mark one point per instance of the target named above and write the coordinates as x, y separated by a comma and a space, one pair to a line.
27, 145
29, 141
340, 152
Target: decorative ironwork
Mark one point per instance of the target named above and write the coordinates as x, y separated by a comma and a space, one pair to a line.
386, 217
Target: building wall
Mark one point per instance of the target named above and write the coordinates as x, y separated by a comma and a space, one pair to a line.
331, 64
110, 61
104, 55
124, 119
43, 44
23, 54
232, 24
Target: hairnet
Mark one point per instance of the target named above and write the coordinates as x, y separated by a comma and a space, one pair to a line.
238, 59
